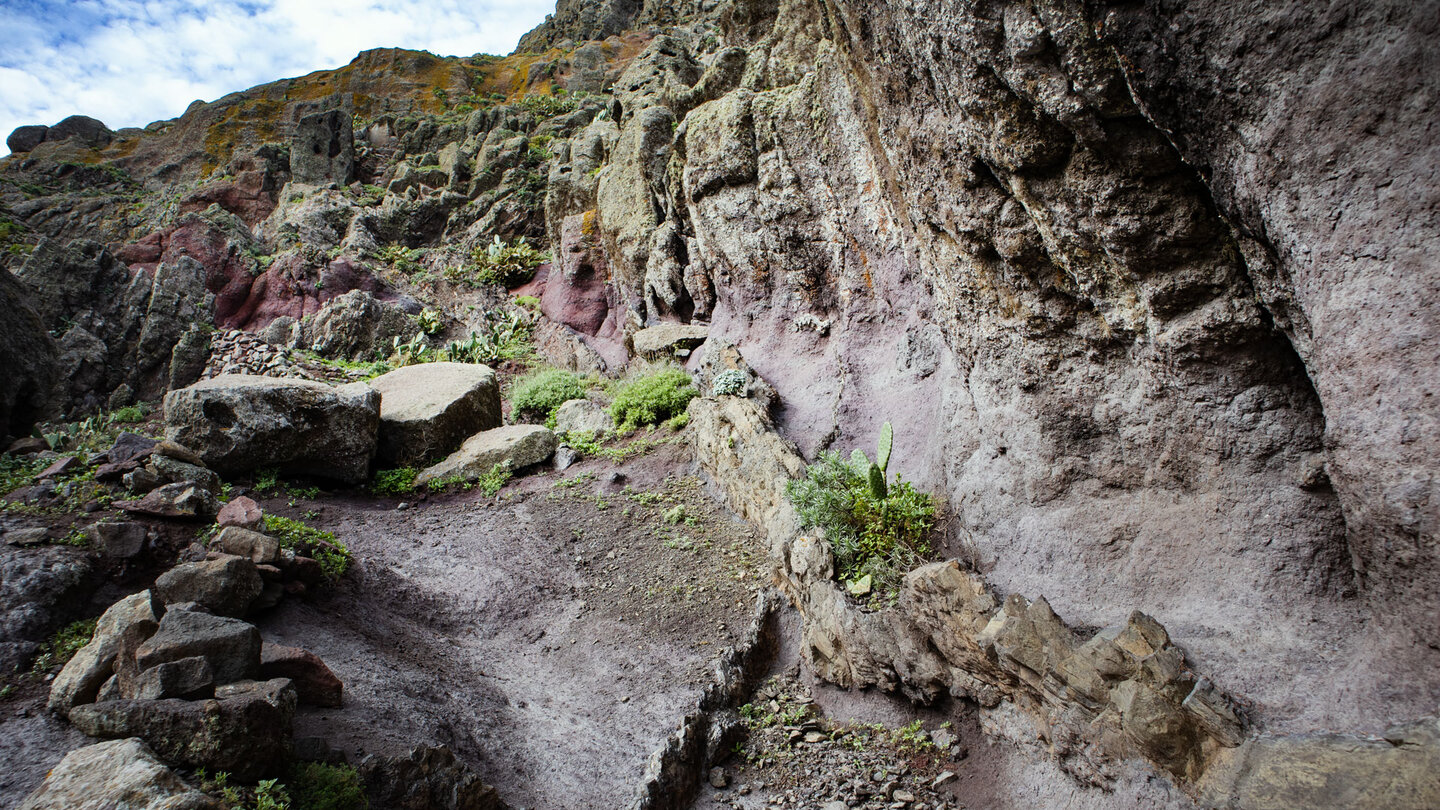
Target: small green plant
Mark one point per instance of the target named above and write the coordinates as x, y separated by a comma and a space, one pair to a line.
322, 546
538, 395
75, 538
912, 738
529, 302
730, 382
406, 260
875, 528
431, 321
267, 481
394, 482
19, 471
491, 482
506, 265
271, 795
318, 786
651, 399
58, 651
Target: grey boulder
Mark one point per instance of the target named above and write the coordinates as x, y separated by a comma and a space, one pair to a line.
427, 410
512, 446
88, 669
116, 774
226, 586
666, 339
261, 549
239, 423
245, 730
583, 416
230, 645
181, 500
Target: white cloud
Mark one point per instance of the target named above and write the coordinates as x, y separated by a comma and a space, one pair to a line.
130, 62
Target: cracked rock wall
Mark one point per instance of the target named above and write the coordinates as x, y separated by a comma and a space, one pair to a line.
1052, 244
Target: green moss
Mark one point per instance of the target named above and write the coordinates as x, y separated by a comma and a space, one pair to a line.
651, 399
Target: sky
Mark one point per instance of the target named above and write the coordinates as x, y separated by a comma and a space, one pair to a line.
131, 62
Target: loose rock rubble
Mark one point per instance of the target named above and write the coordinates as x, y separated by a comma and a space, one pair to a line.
236, 352
794, 757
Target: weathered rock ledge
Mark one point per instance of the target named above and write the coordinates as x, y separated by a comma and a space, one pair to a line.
1121, 692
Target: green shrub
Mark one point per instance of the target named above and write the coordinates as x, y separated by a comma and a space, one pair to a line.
317, 786
128, 415
322, 546
529, 302
538, 395
651, 399
875, 528
506, 265
406, 260
394, 482
731, 382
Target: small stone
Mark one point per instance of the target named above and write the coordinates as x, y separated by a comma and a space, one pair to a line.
718, 779
25, 538
179, 500
120, 540
242, 512
62, 466
141, 481
943, 778
903, 796
178, 452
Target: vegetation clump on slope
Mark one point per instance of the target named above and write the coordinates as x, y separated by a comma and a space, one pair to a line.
877, 528
654, 398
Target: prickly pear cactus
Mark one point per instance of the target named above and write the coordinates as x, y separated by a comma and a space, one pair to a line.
882, 453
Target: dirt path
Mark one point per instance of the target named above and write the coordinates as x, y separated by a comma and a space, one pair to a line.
552, 638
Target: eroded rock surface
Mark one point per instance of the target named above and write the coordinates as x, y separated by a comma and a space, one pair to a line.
241, 423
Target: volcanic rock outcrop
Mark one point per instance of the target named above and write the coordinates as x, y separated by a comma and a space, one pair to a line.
1147, 290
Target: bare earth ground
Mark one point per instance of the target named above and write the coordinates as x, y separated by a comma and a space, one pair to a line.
555, 635
552, 638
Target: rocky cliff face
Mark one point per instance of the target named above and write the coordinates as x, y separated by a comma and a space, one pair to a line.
1147, 288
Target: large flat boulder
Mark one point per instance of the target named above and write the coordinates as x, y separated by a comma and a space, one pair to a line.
239, 423
515, 446
663, 340
115, 774
427, 410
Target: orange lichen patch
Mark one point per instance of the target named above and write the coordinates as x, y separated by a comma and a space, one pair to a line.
123, 148
587, 223
253, 120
